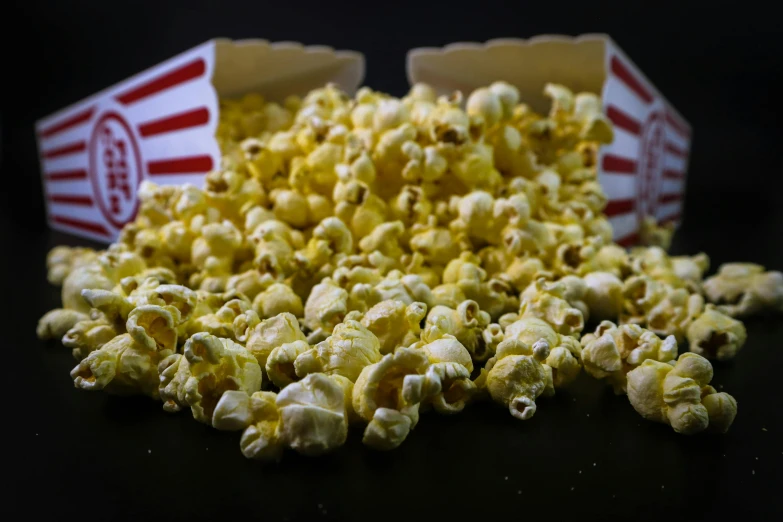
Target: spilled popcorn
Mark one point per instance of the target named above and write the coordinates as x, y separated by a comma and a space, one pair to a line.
364, 261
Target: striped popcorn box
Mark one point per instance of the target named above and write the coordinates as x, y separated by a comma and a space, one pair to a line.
160, 126
643, 170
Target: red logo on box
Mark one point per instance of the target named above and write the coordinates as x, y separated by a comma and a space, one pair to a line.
650, 165
115, 168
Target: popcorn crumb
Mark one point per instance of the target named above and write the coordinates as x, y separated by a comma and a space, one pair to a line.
763, 429
594, 464
320, 506
588, 414
580, 471
572, 488
519, 492
505, 478
753, 471
149, 451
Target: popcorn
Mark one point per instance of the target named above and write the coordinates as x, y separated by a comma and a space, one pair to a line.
128, 363
604, 295
715, 335
744, 289
547, 301
55, 323
365, 257
261, 337
349, 349
209, 367
379, 398
565, 352
680, 395
394, 323
516, 376
612, 351
465, 324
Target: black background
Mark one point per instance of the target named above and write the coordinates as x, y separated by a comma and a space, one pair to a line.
92, 455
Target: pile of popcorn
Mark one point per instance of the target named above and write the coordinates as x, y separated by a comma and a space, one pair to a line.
363, 261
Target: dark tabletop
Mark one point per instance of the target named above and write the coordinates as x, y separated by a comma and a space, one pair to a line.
585, 455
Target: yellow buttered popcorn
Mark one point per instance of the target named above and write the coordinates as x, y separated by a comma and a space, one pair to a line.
128, 364
209, 366
466, 324
715, 335
547, 301
745, 289
262, 337
394, 323
565, 352
516, 376
612, 351
379, 398
680, 395
56, 323
365, 256
349, 349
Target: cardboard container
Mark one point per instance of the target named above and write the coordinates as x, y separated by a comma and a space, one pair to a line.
160, 124
643, 170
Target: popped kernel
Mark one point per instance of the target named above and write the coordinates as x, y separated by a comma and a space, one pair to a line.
208, 367
516, 376
56, 323
346, 352
680, 395
547, 301
394, 323
612, 351
379, 398
465, 324
715, 335
745, 289
565, 352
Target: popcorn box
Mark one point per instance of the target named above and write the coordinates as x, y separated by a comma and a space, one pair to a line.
643, 170
160, 124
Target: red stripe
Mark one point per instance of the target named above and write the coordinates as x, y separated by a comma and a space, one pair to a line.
669, 219
89, 226
618, 165
628, 240
176, 122
170, 79
675, 150
65, 150
619, 206
66, 175
677, 124
622, 120
74, 120
668, 198
70, 199
673, 174
180, 165
623, 73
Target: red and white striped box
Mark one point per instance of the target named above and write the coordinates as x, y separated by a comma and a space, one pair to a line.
643, 170
160, 126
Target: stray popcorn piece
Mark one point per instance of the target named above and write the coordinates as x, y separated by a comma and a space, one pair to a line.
680, 395
604, 296
612, 351
745, 289
516, 376
62, 260
209, 367
715, 335
88, 335
56, 323
128, 364
379, 397
654, 234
